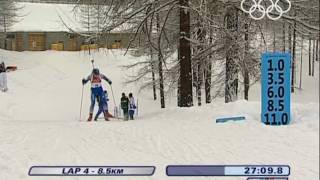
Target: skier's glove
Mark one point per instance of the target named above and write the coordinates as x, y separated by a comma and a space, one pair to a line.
110, 82
84, 81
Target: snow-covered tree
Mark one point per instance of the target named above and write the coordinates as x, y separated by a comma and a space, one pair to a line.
8, 16
208, 45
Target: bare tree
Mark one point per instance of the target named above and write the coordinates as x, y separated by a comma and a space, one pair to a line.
204, 42
231, 85
8, 17
310, 60
293, 64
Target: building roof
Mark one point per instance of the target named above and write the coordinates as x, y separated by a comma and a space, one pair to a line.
42, 17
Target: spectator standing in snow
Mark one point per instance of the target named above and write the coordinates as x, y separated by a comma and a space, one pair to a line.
125, 106
97, 91
3, 78
132, 106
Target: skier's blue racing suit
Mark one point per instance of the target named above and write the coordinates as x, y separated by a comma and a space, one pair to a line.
97, 90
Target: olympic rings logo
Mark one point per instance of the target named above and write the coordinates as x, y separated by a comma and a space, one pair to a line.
257, 7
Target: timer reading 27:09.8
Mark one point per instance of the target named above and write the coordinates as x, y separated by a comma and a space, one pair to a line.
267, 171
275, 88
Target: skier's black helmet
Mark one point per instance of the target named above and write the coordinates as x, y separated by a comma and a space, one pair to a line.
96, 71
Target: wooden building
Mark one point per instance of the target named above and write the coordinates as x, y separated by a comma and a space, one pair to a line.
41, 41
39, 32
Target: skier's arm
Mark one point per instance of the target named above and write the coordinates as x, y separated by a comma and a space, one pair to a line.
106, 79
85, 80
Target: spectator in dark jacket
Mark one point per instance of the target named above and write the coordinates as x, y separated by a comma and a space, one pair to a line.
125, 106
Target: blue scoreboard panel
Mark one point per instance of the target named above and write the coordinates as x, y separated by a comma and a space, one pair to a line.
229, 170
275, 88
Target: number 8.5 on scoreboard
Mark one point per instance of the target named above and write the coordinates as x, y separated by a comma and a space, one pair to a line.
275, 88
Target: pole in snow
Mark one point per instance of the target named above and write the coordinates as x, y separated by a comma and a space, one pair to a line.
114, 103
81, 103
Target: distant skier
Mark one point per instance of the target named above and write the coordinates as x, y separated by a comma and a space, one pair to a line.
3, 78
97, 91
125, 106
103, 107
132, 106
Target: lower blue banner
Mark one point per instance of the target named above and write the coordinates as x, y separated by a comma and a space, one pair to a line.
92, 170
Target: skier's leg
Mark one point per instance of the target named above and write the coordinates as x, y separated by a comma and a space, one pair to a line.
101, 109
5, 86
1, 81
98, 113
93, 100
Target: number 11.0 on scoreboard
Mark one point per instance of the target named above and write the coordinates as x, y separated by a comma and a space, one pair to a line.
275, 88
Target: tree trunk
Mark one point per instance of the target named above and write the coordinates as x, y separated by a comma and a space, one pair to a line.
162, 100
153, 75
274, 38
284, 37
160, 59
300, 82
293, 72
5, 32
231, 84
199, 81
88, 19
290, 39
317, 50
152, 64
201, 38
313, 56
246, 56
310, 65
185, 56
207, 84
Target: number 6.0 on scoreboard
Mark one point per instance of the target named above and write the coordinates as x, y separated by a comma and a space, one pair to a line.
275, 88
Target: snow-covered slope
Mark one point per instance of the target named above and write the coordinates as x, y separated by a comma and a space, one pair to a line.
39, 124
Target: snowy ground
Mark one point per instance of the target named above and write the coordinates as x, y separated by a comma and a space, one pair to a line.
39, 124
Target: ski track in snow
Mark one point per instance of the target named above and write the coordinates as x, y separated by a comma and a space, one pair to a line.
39, 125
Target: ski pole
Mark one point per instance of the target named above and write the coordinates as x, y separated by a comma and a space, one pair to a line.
81, 103
137, 108
114, 100
92, 62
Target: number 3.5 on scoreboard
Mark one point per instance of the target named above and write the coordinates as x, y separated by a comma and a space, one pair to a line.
275, 88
